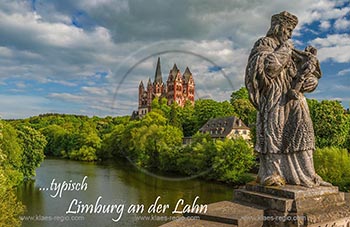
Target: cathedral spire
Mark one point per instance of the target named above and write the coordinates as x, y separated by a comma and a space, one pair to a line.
158, 74
187, 74
175, 69
141, 84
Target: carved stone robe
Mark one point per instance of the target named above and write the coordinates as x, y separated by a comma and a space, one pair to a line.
285, 136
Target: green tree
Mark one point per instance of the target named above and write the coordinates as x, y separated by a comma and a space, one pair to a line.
151, 140
85, 142
232, 161
187, 119
333, 165
174, 115
242, 93
126, 137
243, 107
331, 123
74, 136
13, 151
33, 144
245, 111
205, 109
169, 141
9, 206
155, 103
164, 107
103, 125
85, 153
312, 104
226, 160
111, 144
195, 158
55, 136
154, 117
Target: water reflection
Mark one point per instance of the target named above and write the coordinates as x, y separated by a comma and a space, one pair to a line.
32, 198
117, 183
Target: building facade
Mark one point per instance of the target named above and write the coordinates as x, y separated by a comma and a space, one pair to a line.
224, 127
178, 88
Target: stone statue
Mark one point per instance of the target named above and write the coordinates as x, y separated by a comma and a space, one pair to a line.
276, 77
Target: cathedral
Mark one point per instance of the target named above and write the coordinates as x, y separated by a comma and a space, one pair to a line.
178, 88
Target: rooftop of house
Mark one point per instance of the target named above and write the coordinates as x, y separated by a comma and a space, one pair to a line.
221, 127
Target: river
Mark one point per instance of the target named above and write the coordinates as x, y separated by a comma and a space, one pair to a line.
107, 184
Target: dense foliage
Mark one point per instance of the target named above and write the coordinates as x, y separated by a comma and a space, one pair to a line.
155, 142
33, 144
331, 123
71, 136
226, 160
21, 151
333, 165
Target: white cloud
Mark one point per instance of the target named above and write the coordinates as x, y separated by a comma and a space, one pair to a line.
62, 82
335, 47
66, 97
51, 34
21, 85
332, 40
21, 106
95, 90
200, 19
325, 25
342, 24
339, 54
111, 36
5, 52
343, 72
322, 10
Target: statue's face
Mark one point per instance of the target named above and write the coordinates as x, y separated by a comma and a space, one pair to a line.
285, 33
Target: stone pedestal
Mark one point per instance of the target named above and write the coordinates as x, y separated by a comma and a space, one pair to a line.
224, 214
292, 205
286, 206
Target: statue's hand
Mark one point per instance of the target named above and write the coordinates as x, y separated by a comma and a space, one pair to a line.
310, 84
287, 46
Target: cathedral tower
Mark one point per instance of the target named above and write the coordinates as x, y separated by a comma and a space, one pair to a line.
178, 89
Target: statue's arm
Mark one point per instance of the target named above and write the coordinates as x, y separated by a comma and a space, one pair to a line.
310, 84
278, 60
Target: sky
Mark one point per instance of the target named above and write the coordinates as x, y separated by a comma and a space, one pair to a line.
88, 57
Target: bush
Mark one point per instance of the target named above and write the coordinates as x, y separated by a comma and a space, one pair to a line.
85, 153
333, 165
195, 158
33, 144
10, 177
226, 160
233, 159
331, 123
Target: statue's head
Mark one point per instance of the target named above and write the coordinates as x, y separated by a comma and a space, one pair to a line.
282, 26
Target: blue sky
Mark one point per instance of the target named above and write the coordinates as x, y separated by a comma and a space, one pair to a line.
75, 56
